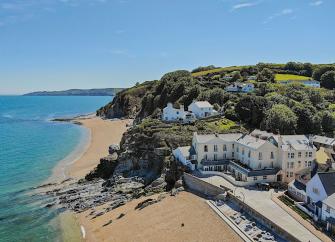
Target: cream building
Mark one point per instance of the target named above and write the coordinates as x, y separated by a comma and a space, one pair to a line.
258, 157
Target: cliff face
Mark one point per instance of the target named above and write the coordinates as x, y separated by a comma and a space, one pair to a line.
126, 103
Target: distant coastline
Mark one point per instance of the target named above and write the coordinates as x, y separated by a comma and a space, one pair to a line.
78, 92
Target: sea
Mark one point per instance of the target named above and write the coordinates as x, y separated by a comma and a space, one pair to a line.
31, 145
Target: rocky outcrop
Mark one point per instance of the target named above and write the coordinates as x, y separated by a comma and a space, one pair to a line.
105, 168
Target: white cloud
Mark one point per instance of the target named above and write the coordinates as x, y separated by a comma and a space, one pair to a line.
284, 12
316, 3
244, 5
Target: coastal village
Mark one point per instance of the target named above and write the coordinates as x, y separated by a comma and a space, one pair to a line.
264, 183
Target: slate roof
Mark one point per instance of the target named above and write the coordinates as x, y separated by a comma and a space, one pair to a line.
328, 181
263, 172
298, 185
204, 138
251, 141
323, 140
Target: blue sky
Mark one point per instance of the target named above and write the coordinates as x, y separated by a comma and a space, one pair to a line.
61, 44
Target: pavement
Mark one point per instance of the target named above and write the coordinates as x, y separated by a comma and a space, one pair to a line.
262, 203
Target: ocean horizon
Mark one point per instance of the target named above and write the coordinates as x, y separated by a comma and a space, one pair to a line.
30, 147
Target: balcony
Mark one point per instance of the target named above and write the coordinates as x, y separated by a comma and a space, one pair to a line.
214, 162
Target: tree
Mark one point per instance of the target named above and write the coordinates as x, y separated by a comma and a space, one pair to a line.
236, 76
305, 121
250, 109
280, 118
328, 122
328, 80
266, 75
322, 70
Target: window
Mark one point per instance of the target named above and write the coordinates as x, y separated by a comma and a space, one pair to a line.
260, 165
310, 154
224, 147
232, 154
272, 156
237, 149
288, 155
224, 156
291, 174
215, 157
299, 154
205, 148
306, 154
315, 190
288, 165
177, 112
233, 146
265, 177
249, 153
260, 156
292, 155
309, 163
242, 151
287, 174
305, 163
292, 165
299, 163
205, 156
328, 209
271, 164
255, 178
215, 148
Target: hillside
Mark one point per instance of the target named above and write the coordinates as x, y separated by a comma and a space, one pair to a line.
290, 109
78, 92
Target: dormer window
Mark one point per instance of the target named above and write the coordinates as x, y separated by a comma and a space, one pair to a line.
205, 148
215, 148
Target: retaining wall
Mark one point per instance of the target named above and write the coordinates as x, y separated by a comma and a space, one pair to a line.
201, 186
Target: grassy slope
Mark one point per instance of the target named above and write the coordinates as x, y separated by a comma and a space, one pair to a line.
285, 77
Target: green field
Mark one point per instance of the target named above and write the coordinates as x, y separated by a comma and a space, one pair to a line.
285, 77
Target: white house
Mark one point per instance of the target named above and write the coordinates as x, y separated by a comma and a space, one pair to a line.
202, 109
240, 87
184, 155
172, 114
319, 188
307, 83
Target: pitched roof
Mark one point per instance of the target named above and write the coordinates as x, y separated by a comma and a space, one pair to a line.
330, 201
205, 138
203, 104
298, 185
323, 140
184, 150
328, 181
251, 141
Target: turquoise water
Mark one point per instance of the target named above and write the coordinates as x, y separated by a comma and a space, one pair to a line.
30, 147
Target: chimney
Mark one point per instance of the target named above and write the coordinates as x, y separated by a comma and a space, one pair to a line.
280, 141
182, 107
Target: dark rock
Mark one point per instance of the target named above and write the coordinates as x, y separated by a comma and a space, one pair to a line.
113, 148
108, 223
98, 214
121, 215
105, 168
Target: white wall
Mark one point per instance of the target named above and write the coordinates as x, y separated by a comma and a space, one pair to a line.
198, 111
326, 214
320, 195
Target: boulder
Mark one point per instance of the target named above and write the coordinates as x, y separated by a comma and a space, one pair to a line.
114, 148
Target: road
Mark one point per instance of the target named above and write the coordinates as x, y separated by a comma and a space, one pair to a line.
262, 203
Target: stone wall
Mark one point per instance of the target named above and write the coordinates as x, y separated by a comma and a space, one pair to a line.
198, 185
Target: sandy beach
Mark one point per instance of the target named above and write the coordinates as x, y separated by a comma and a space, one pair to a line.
185, 217
103, 133
159, 222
